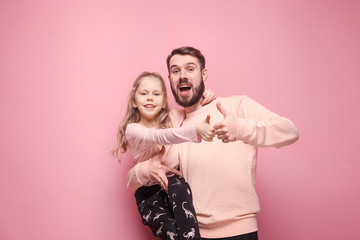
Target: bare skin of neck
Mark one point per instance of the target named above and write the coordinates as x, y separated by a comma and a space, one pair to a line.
148, 123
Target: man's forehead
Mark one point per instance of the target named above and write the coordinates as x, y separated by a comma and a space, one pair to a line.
182, 60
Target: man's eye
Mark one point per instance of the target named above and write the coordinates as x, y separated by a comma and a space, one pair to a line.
175, 71
190, 69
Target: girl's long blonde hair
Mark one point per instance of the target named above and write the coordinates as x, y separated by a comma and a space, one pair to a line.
133, 116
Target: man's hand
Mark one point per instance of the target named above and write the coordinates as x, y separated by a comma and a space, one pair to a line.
208, 96
158, 171
205, 130
227, 129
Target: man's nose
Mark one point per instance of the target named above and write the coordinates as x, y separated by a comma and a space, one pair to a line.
183, 74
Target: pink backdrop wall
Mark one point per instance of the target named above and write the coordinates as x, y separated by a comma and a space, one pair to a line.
66, 68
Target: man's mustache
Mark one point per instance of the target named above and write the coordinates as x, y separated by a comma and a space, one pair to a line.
182, 81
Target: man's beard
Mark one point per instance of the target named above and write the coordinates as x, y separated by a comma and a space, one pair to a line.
189, 101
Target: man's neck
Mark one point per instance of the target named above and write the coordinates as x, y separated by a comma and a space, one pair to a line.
194, 107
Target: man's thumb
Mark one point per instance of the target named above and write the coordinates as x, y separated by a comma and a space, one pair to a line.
221, 109
207, 120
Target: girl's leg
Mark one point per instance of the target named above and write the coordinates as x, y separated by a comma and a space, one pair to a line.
153, 207
181, 199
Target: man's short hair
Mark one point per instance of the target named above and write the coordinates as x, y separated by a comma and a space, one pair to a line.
187, 51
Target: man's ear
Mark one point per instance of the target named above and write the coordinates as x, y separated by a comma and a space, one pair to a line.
204, 74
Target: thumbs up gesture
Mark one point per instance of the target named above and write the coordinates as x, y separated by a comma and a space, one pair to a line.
205, 130
227, 129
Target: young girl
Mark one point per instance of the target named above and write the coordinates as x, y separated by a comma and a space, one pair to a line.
145, 127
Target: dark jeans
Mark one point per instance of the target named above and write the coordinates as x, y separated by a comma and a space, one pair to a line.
169, 216
248, 236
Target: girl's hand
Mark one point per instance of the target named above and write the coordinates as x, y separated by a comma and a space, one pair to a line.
205, 130
208, 96
158, 171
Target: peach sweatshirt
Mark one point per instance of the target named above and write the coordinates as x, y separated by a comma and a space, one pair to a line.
144, 143
222, 175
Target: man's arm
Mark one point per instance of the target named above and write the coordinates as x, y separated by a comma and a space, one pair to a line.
150, 171
257, 126
138, 176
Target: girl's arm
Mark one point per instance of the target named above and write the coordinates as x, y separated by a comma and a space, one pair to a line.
138, 134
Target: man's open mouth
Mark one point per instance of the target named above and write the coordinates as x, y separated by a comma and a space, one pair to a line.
184, 89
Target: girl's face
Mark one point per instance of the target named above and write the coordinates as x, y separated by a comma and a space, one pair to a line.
149, 99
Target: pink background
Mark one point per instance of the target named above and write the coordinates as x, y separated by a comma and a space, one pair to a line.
65, 71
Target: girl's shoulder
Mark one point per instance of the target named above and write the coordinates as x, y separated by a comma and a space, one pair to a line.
134, 125
133, 128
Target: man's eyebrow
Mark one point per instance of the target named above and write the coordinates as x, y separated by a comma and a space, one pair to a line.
172, 66
189, 63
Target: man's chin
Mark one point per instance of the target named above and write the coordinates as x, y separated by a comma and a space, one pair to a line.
185, 101
182, 102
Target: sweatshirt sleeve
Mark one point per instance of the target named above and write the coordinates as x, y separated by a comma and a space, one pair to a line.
138, 176
137, 134
260, 127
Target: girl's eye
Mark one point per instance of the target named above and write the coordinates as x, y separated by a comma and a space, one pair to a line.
143, 93
157, 94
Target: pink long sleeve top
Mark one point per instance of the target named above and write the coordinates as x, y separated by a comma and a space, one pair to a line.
144, 143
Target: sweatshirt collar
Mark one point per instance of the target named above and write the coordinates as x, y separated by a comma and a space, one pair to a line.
200, 110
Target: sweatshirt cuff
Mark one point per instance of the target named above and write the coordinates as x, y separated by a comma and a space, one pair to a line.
142, 172
191, 129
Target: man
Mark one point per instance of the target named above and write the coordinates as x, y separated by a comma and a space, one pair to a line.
221, 173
